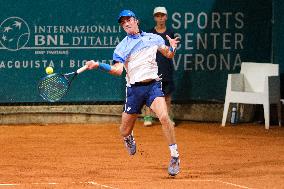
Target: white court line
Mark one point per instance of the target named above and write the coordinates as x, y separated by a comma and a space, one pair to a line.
223, 182
105, 186
49, 183
101, 185
229, 183
9, 184
198, 180
54, 183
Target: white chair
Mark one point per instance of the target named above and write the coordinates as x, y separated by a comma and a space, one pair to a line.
258, 83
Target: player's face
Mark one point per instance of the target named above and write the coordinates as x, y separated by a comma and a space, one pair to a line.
129, 24
160, 18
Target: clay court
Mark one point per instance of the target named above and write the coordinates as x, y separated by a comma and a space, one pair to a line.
93, 156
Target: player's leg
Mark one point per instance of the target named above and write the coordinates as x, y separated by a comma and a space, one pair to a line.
159, 106
157, 103
126, 130
127, 123
132, 108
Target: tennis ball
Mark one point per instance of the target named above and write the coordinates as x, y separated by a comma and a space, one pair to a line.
49, 70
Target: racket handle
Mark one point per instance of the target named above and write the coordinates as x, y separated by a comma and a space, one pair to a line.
80, 70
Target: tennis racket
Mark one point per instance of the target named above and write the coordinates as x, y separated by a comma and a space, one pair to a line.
54, 87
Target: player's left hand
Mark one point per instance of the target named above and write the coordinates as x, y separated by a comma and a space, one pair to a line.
173, 42
91, 64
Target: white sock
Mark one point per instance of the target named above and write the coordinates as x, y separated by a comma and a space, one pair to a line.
174, 151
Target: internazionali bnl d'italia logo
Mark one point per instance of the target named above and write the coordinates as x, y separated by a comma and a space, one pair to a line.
14, 33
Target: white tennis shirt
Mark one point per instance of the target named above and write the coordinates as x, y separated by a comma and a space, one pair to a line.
138, 53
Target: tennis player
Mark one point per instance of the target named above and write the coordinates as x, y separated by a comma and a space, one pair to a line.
137, 54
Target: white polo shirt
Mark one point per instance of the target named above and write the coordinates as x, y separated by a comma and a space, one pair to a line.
138, 53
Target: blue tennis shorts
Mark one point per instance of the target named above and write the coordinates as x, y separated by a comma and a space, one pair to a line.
141, 93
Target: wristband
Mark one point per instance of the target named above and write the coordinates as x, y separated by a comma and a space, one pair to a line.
172, 49
104, 67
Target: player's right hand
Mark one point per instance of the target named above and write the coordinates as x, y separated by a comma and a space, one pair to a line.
91, 64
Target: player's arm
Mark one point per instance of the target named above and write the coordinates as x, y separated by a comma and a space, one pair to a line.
115, 69
169, 52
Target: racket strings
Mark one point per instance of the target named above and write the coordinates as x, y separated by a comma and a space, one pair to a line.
53, 88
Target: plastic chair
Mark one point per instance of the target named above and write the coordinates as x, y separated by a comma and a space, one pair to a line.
258, 83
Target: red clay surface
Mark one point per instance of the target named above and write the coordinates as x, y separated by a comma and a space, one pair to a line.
93, 156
